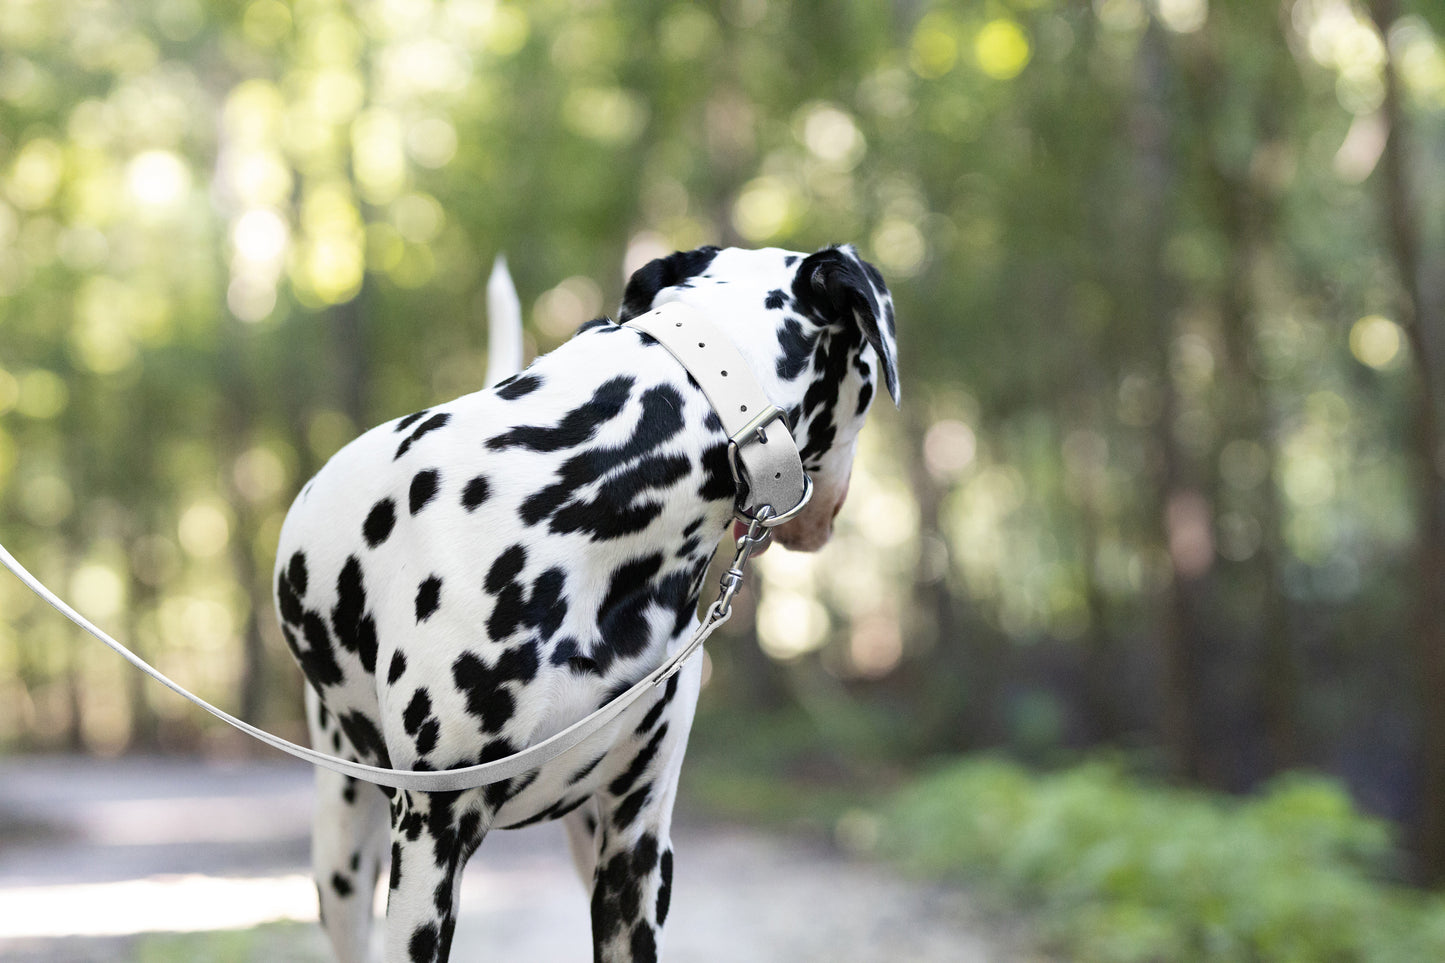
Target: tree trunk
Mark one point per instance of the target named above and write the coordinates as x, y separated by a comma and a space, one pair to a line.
1180, 509
1422, 319
970, 667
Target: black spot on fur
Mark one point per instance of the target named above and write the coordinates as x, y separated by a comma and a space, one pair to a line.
423, 944
416, 711
586, 770
621, 618
499, 793
655, 713
543, 609
613, 511
547, 607
775, 299
288, 600
428, 596
379, 522
398, 666
475, 492
576, 427
296, 572
423, 488
364, 737
355, 630
341, 885
431, 424
797, 349
518, 386
664, 892
603, 323
613, 892
411, 419
555, 811
564, 650
717, 477
864, 397
644, 943
631, 806
484, 686
426, 736
506, 568
318, 659
640, 762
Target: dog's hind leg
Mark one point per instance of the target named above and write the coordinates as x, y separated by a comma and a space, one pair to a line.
348, 846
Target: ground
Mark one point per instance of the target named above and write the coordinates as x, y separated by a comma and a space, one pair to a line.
161, 860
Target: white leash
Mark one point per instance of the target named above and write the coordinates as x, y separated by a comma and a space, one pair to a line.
760, 465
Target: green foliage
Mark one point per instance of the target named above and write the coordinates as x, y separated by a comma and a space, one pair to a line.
772, 768
1120, 870
272, 943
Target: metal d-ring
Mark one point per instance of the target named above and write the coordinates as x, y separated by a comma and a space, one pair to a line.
772, 521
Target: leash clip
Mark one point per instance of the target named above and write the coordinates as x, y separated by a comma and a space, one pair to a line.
732, 579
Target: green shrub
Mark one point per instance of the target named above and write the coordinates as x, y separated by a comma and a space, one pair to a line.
1124, 871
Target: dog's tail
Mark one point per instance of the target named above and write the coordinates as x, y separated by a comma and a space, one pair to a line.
504, 324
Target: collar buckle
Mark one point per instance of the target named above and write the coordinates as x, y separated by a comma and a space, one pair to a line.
754, 432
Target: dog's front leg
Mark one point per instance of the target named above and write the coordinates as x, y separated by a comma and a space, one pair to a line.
430, 846
632, 883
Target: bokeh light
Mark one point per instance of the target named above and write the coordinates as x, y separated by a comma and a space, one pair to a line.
158, 178
1375, 341
1002, 49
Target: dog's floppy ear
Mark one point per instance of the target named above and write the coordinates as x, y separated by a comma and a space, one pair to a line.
837, 286
665, 272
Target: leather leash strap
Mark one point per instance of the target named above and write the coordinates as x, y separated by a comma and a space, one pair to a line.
769, 458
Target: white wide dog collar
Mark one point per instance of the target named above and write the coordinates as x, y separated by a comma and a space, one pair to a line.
761, 451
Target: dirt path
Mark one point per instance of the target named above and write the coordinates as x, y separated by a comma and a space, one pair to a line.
96, 857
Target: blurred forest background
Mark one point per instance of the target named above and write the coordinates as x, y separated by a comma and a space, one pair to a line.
1170, 274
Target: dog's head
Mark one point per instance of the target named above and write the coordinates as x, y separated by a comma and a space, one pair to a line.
817, 330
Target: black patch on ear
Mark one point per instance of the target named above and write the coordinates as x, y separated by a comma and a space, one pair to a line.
833, 286
665, 272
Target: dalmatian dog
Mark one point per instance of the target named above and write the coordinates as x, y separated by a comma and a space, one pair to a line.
463, 582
